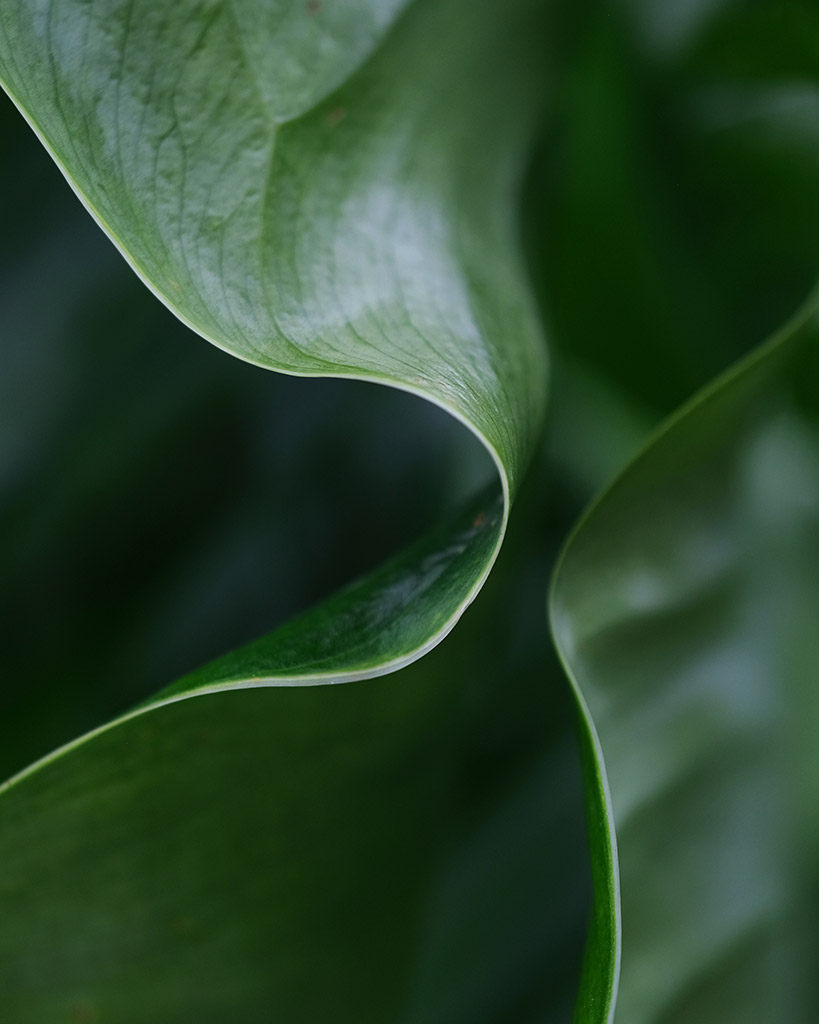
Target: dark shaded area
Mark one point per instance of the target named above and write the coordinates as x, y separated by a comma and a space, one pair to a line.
671, 212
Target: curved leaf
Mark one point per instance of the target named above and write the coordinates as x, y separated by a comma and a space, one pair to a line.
139, 533
682, 611
371, 852
363, 230
338, 221
324, 190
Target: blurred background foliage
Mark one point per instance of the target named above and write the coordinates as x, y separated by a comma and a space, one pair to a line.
161, 502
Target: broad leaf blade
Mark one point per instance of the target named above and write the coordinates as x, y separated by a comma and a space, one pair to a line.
368, 233
402, 850
672, 609
322, 207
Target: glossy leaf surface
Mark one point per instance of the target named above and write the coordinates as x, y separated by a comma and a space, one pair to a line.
320, 214
307, 212
681, 608
464, 778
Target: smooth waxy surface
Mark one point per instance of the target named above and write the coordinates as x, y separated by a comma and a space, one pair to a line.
679, 610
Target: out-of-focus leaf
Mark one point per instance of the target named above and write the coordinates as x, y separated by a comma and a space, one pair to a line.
719, 112
679, 610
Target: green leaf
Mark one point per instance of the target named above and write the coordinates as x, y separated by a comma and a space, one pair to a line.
323, 190
330, 189
360, 230
317, 212
150, 516
388, 850
314, 210
369, 852
684, 610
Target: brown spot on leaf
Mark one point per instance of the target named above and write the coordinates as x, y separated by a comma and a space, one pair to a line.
336, 114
